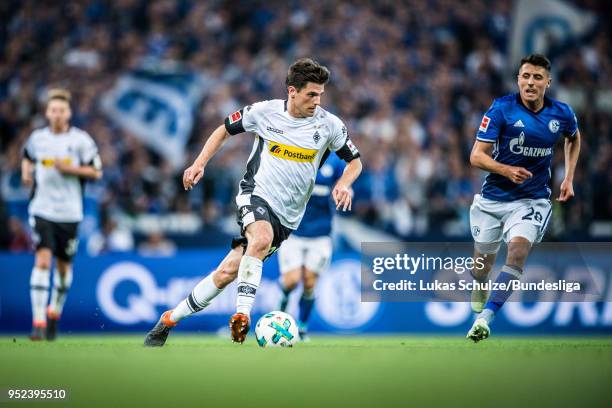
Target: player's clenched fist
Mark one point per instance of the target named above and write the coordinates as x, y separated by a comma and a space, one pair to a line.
518, 174
343, 197
566, 191
192, 175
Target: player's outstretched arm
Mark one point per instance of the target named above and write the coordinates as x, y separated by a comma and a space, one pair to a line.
572, 151
195, 172
482, 157
342, 192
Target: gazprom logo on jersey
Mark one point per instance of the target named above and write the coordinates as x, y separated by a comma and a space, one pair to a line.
292, 153
516, 147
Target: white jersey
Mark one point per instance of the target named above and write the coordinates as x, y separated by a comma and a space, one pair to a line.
283, 163
58, 197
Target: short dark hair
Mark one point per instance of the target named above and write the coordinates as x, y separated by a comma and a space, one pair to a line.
59, 93
539, 60
306, 70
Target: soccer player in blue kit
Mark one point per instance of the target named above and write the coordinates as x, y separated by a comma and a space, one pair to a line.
514, 144
307, 252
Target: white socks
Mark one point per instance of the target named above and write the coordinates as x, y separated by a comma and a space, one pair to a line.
249, 277
200, 297
61, 284
39, 293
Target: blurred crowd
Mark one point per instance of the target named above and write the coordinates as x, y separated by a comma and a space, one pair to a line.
410, 79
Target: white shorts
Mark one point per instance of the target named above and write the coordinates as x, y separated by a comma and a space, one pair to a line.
491, 221
312, 253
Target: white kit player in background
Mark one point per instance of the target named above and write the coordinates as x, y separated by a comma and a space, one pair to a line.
291, 138
57, 160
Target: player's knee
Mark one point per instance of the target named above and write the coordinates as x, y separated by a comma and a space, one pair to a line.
226, 272
290, 280
43, 264
224, 275
260, 244
310, 280
43, 259
518, 250
63, 267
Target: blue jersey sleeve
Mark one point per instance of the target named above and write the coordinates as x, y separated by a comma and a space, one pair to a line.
491, 125
570, 125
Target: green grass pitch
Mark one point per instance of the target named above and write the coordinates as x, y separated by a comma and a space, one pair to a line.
357, 371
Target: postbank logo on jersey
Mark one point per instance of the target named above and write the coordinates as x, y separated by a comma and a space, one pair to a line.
50, 161
293, 153
516, 147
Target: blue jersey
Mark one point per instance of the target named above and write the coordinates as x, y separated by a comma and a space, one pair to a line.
524, 138
317, 219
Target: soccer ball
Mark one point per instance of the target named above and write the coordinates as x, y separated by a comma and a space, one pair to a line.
276, 329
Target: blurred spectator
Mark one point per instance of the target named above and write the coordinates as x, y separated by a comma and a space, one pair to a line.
111, 238
156, 245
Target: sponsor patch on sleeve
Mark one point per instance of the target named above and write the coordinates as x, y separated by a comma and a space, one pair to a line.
235, 117
352, 147
484, 125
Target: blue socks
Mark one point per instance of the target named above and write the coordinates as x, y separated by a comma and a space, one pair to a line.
284, 298
306, 303
498, 297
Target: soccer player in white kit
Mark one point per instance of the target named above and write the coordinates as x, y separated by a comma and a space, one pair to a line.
291, 137
57, 160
